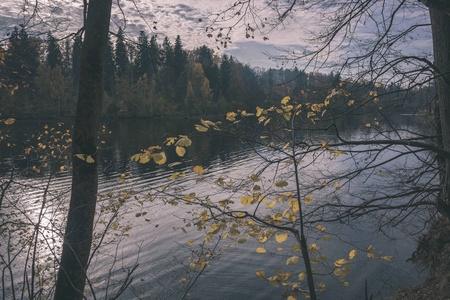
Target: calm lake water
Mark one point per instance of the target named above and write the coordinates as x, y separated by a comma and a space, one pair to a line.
163, 253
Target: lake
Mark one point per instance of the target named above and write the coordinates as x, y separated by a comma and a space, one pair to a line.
164, 253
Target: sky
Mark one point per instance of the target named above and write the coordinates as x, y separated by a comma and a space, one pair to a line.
182, 17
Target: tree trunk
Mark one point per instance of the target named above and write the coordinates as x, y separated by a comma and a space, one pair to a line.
440, 25
78, 235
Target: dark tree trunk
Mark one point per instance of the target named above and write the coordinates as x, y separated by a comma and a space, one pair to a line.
78, 235
440, 25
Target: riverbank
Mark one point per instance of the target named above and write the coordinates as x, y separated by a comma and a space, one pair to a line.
433, 254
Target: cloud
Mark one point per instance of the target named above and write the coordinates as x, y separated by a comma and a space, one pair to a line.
181, 17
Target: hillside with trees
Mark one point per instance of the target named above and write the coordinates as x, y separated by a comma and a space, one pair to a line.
144, 78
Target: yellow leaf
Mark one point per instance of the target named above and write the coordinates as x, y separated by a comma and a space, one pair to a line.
372, 255
254, 178
9, 121
296, 248
199, 170
143, 159
184, 142
169, 141
271, 204
261, 250
285, 100
246, 200
262, 239
259, 110
89, 159
191, 242
261, 274
302, 276
174, 164
207, 123
338, 272
201, 128
281, 183
180, 151
352, 254
321, 286
280, 248
327, 238
370, 249
285, 146
281, 237
234, 231
62, 168
345, 284
308, 199
387, 258
159, 158
291, 217
336, 186
241, 240
292, 298
340, 262
231, 116
324, 145
294, 203
82, 156
351, 102
292, 260
321, 228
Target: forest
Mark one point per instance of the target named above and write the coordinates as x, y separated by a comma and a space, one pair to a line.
145, 79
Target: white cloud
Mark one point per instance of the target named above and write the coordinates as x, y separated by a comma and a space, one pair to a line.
181, 17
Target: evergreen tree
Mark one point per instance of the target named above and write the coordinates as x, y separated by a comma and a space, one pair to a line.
108, 68
154, 57
168, 54
22, 59
121, 55
53, 52
179, 58
179, 70
67, 61
167, 77
143, 62
225, 74
205, 57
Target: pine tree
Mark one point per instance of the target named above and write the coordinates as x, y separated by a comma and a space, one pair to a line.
154, 56
143, 62
205, 57
53, 52
179, 70
225, 74
167, 77
66, 58
108, 68
179, 58
22, 59
121, 55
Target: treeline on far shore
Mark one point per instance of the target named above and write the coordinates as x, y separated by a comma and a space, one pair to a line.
143, 78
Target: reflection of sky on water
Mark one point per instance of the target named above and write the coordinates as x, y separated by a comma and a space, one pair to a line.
155, 244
